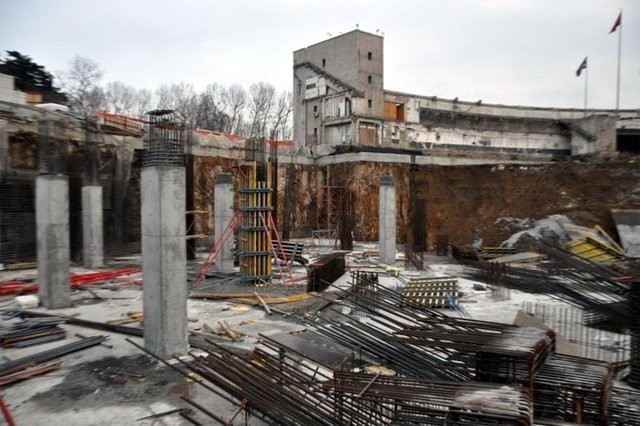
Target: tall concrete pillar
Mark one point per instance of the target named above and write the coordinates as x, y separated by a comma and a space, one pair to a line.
387, 219
223, 213
92, 240
52, 230
164, 259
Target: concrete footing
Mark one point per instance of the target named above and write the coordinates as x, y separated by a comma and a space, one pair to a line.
92, 238
223, 213
164, 260
52, 230
387, 220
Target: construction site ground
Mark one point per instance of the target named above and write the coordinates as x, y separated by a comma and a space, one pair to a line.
119, 384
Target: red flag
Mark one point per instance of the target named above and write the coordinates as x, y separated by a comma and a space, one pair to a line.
617, 23
582, 66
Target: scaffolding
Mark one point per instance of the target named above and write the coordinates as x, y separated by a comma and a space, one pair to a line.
328, 211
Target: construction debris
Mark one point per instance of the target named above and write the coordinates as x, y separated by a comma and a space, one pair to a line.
628, 227
593, 244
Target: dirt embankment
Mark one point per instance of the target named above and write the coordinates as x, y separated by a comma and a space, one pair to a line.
465, 203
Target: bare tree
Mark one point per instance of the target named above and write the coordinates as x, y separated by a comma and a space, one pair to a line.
234, 101
142, 102
262, 99
179, 97
281, 120
209, 114
119, 97
81, 83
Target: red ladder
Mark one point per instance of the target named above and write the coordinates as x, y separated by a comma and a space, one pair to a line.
217, 249
269, 221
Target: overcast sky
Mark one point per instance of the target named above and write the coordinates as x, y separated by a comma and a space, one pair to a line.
522, 52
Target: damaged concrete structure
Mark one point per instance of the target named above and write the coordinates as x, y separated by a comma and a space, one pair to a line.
340, 102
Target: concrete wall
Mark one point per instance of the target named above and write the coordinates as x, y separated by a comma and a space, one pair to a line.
595, 134
7, 92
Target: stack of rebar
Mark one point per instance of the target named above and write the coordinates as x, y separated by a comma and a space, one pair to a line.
624, 406
32, 331
397, 400
634, 327
279, 388
573, 389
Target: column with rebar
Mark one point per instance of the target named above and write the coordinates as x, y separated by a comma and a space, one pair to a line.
52, 216
254, 245
163, 235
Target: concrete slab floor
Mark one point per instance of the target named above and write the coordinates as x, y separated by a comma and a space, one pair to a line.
77, 395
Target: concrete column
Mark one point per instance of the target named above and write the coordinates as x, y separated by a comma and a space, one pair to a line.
387, 220
164, 259
92, 241
52, 230
223, 213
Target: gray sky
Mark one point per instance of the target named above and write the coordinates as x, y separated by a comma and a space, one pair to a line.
522, 52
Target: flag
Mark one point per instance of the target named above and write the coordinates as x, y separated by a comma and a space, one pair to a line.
617, 23
582, 66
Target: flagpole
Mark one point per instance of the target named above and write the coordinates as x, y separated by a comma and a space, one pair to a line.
619, 53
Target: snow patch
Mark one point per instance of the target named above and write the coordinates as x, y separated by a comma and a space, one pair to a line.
548, 228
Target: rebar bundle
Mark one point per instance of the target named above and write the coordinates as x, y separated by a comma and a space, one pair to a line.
52, 148
573, 389
634, 327
164, 139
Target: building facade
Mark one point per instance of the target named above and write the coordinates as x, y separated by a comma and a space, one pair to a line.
340, 101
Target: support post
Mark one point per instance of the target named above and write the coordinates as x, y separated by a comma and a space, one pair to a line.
92, 238
223, 213
164, 260
52, 228
387, 220
163, 218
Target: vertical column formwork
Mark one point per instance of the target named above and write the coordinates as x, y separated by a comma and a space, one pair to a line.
255, 204
387, 220
223, 214
52, 217
163, 221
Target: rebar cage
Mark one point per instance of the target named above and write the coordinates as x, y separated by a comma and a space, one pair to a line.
164, 139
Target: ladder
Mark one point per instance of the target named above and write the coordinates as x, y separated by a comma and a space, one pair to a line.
217, 249
269, 221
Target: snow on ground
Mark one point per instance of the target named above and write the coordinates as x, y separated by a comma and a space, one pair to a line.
549, 227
